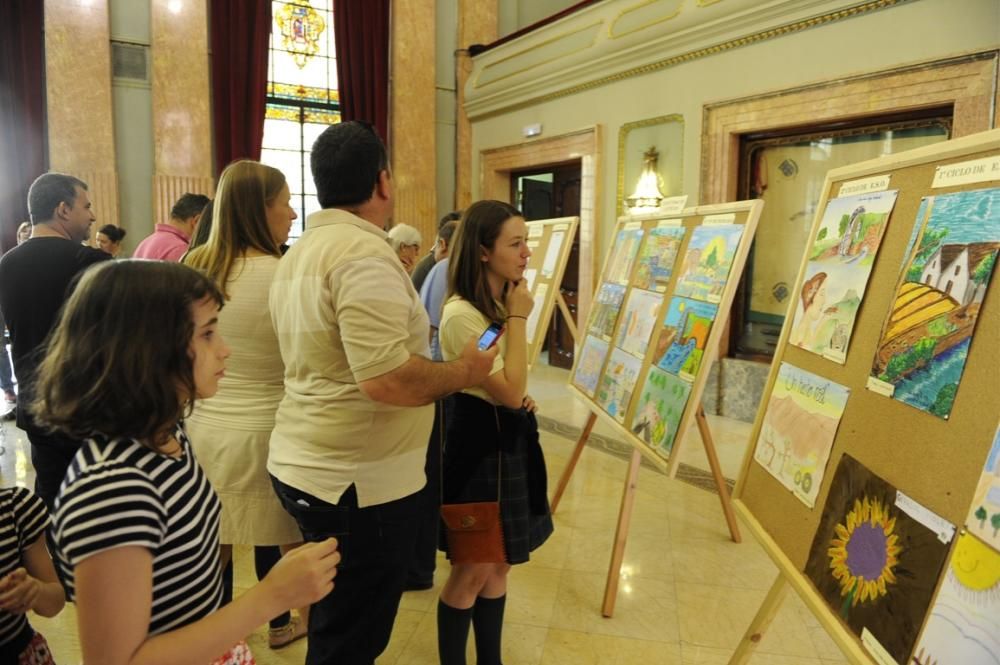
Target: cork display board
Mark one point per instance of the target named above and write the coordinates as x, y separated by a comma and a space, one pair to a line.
656, 321
551, 242
903, 377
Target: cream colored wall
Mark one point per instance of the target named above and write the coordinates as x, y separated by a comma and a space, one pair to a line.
911, 32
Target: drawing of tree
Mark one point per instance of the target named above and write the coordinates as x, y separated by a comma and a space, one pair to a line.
843, 225
995, 523
981, 515
713, 258
982, 272
822, 234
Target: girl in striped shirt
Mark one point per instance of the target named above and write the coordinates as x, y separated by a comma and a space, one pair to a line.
136, 523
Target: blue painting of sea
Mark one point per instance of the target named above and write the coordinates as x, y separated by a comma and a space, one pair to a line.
969, 217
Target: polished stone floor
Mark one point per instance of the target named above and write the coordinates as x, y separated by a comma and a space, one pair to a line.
687, 592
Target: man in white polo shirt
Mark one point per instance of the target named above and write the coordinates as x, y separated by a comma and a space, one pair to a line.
350, 437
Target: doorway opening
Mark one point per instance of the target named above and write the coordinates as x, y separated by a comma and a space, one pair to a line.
545, 193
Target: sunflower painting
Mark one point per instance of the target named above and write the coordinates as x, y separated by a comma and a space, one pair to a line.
874, 563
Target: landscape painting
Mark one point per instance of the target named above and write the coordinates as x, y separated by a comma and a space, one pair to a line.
618, 383
874, 563
661, 405
925, 340
657, 258
642, 311
681, 344
604, 310
840, 262
588, 367
623, 255
798, 430
984, 517
964, 624
709, 256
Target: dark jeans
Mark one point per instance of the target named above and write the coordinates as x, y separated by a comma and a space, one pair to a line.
51, 455
424, 560
352, 625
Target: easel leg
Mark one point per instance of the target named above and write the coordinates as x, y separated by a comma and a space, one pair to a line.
720, 480
621, 535
760, 623
571, 464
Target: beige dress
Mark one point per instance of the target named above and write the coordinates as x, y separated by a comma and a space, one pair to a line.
230, 431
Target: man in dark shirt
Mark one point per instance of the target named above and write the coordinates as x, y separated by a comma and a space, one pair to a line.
425, 264
35, 279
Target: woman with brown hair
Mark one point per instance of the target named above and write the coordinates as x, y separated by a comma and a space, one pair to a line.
482, 462
251, 219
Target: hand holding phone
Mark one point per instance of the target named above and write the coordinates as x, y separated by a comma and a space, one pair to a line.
490, 336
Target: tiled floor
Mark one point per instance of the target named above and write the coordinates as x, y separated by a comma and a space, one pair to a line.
687, 592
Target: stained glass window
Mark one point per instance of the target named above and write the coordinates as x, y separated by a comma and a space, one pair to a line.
302, 98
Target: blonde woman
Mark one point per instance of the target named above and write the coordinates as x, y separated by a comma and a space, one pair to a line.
252, 217
405, 241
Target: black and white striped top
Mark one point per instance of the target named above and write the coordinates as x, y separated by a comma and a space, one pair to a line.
23, 520
119, 494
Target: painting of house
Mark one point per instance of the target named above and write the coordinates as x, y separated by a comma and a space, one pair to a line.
948, 266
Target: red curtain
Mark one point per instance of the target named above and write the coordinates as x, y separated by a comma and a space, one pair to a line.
23, 136
240, 33
362, 38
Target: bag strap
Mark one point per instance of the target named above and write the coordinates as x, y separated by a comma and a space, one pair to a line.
439, 413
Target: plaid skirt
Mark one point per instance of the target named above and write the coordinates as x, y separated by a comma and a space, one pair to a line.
508, 454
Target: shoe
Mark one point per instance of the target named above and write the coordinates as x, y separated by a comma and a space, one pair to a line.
278, 638
10, 396
418, 586
10, 415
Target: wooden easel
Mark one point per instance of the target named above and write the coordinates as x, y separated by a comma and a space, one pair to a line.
628, 494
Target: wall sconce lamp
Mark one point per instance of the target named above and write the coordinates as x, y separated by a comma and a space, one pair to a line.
647, 192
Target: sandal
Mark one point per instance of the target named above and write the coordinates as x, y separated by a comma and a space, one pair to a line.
295, 629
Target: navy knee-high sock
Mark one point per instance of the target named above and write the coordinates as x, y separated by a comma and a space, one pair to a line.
487, 622
453, 633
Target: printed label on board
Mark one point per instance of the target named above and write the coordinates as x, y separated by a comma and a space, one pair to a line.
944, 529
532, 244
673, 204
716, 220
878, 183
876, 649
663, 223
881, 387
560, 227
536, 231
632, 226
963, 173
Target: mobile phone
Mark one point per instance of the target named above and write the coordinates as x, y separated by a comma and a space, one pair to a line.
490, 337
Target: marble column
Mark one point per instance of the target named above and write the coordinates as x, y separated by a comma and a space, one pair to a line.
477, 24
412, 116
182, 134
78, 99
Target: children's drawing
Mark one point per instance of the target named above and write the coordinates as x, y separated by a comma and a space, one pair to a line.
531, 274
709, 257
604, 310
875, 564
588, 367
623, 255
642, 310
840, 262
799, 427
925, 339
661, 405
984, 518
657, 258
552, 254
615, 392
964, 624
534, 318
681, 344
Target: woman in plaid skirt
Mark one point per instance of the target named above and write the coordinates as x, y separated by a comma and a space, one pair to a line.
491, 442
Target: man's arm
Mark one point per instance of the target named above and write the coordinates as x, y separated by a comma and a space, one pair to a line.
419, 381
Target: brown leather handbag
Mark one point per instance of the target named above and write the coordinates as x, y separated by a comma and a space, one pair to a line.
473, 530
